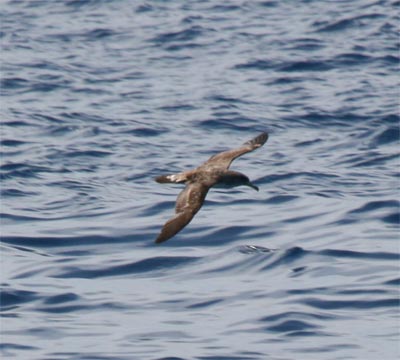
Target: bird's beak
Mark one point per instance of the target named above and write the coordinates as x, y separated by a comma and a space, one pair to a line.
249, 184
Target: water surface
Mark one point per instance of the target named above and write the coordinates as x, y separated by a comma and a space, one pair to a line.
98, 97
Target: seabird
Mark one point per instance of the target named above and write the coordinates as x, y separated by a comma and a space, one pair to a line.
213, 173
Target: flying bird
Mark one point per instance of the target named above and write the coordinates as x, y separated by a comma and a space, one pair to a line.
213, 173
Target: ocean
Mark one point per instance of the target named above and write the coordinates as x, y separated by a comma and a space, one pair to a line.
98, 97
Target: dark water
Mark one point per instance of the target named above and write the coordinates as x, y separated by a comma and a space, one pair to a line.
98, 97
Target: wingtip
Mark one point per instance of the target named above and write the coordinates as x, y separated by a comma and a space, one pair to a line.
262, 138
161, 238
258, 141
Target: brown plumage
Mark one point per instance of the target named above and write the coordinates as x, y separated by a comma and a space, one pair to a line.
213, 173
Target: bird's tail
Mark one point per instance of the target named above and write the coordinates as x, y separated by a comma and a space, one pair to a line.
174, 178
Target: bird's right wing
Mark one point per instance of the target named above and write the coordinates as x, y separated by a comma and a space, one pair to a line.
188, 204
224, 159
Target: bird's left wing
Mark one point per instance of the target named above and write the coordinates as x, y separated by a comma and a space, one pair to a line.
224, 159
188, 204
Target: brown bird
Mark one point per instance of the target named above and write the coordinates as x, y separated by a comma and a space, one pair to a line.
213, 173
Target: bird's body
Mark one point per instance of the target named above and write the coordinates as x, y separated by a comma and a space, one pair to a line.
213, 173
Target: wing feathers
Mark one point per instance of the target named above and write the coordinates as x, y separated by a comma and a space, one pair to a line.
224, 159
258, 141
188, 204
174, 225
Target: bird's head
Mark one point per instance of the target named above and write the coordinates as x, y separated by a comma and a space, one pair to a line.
233, 178
244, 180
250, 184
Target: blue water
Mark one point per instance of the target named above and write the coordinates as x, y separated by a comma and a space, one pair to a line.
98, 97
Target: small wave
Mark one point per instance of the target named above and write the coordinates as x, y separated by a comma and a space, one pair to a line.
10, 298
377, 160
306, 66
394, 282
265, 259
204, 304
317, 176
287, 257
255, 64
350, 59
279, 199
21, 218
10, 346
61, 298
51, 242
234, 123
376, 205
152, 265
13, 83
16, 192
21, 170
349, 23
96, 34
177, 108
358, 254
291, 326
12, 142
387, 136
373, 210
393, 218
350, 304
87, 153
174, 41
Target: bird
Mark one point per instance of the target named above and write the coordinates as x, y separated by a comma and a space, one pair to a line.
212, 173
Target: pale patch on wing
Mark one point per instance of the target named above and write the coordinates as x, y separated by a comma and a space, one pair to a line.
174, 178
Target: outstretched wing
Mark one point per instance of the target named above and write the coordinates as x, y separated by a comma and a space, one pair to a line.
188, 204
224, 159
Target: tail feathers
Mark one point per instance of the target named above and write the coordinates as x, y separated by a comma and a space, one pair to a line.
174, 178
